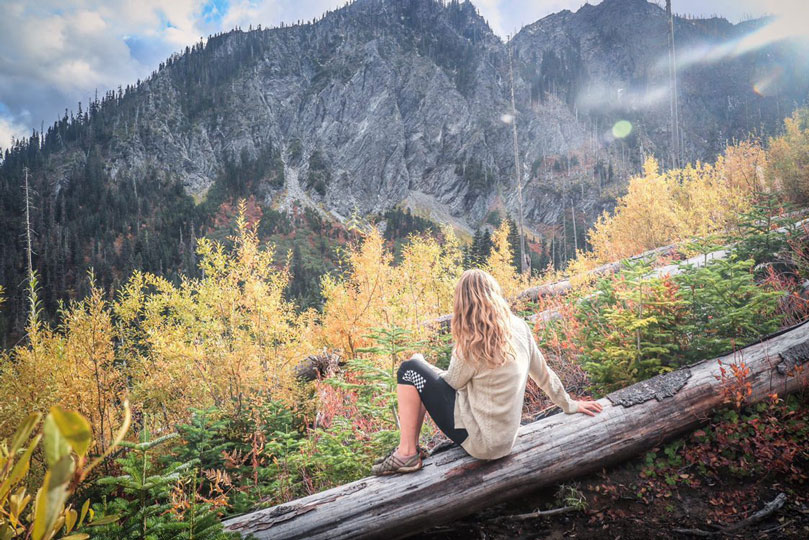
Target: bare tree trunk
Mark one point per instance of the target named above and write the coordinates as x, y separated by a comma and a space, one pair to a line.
675, 114
31, 295
517, 169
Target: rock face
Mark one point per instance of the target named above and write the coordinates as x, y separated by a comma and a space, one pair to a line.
402, 102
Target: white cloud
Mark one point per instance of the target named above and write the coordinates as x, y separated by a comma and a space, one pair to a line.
9, 131
89, 22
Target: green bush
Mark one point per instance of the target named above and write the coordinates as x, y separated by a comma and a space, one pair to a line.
152, 501
636, 325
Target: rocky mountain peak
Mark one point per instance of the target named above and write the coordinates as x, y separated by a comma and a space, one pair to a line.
386, 103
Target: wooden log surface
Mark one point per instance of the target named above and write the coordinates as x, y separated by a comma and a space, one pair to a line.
554, 449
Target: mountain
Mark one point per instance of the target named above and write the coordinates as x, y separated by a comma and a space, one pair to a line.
379, 104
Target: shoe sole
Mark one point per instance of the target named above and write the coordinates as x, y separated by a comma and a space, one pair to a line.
399, 470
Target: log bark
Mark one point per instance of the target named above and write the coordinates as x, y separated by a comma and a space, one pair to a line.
551, 450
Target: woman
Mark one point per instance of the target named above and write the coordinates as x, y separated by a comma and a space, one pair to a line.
478, 401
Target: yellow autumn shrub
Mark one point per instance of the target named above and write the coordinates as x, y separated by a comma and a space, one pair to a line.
357, 301
213, 340
660, 208
72, 366
426, 279
374, 293
500, 262
789, 157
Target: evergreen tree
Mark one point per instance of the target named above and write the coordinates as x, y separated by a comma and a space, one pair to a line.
150, 502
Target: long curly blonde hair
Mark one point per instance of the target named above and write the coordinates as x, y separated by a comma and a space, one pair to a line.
481, 326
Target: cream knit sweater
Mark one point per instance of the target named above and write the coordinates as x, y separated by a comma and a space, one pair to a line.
489, 401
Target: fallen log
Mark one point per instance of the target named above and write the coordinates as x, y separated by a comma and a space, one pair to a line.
673, 269
562, 287
551, 450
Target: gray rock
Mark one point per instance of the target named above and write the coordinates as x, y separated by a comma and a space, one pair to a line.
399, 95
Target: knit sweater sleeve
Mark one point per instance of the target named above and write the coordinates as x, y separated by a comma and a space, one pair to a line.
547, 379
459, 371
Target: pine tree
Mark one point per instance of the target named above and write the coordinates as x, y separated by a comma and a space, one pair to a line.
474, 251
728, 309
146, 502
486, 245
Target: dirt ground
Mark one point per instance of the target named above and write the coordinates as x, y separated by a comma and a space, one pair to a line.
615, 511
622, 502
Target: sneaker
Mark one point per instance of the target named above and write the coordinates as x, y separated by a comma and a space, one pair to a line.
421, 451
393, 464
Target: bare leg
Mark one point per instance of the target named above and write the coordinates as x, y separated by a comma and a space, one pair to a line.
411, 416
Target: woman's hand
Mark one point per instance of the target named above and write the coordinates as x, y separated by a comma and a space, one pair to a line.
588, 406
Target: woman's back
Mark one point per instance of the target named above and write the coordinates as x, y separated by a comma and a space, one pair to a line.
489, 402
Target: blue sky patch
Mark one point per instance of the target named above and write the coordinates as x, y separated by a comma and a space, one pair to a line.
214, 10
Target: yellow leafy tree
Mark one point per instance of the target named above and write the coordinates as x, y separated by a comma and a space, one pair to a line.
500, 262
789, 157
358, 301
425, 279
215, 340
644, 218
29, 375
705, 202
373, 293
94, 384
695, 201
743, 166
71, 366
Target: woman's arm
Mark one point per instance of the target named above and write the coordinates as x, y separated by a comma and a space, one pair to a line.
547, 379
459, 372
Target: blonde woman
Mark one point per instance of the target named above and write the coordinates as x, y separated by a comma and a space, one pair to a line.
478, 401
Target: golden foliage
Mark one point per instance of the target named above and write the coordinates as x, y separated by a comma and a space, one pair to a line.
789, 157
213, 340
500, 265
372, 293
695, 201
428, 273
72, 366
354, 304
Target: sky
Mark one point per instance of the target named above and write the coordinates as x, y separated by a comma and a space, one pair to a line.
55, 53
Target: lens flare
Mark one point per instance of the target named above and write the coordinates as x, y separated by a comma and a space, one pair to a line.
789, 25
769, 83
621, 129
